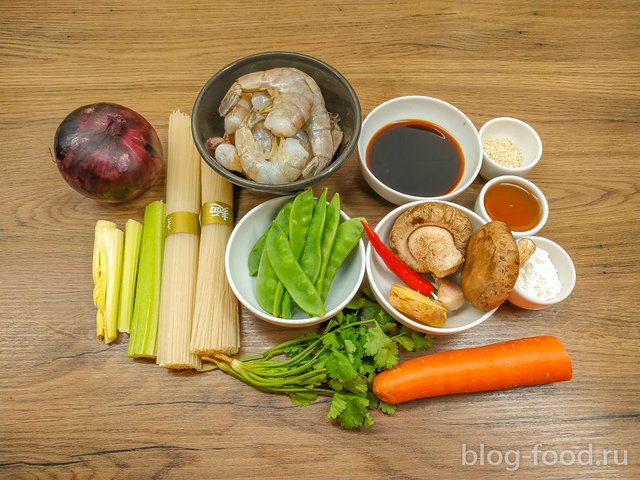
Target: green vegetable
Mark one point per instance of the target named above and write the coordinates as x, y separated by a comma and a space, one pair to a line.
332, 220
132, 238
282, 299
144, 323
311, 259
256, 252
300, 221
290, 273
284, 214
107, 271
341, 362
267, 284
347, 237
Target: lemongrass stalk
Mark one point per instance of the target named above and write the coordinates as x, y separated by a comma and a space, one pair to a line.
107, 270
132, 238
143, 340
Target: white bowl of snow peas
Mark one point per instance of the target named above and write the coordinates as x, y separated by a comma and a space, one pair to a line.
296, 261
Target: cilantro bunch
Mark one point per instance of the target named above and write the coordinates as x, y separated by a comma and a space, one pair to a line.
341, 362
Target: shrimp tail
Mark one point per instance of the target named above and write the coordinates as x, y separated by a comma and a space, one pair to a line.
315, 165
212, 143
230, 100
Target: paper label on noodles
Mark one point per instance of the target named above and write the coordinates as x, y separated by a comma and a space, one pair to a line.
183, 222
216, 212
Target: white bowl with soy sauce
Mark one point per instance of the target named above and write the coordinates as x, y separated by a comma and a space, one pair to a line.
418, 148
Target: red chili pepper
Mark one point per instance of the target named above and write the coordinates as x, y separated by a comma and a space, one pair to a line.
397, 266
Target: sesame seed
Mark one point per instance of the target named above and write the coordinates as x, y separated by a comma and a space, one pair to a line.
502, 150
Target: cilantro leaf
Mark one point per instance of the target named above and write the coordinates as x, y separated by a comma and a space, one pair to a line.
385, 320
383, 350
422, 342
354, 413
370, 310
330, 340
376, 339
339, 367
387, 408
367, 365
302, 399
356, 302
336, 385
338, 405
373, 400
407, 343
387, 356
358, 385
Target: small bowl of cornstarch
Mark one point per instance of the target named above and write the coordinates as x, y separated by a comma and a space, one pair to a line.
546, 278
509, 147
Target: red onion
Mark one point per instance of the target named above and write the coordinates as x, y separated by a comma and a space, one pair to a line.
108, 152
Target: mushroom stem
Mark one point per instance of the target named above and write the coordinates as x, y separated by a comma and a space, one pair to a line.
526, 247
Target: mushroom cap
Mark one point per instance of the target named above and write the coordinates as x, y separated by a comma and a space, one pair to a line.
431, 237
492, 266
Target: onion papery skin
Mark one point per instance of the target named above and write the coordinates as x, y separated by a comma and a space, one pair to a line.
108, 152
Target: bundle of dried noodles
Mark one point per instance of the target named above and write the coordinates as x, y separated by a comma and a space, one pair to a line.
181, 247
215, 322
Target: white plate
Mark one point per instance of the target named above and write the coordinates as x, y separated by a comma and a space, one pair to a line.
381, 279
344, 287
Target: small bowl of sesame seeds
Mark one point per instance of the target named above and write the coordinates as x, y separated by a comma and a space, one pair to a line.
509, 147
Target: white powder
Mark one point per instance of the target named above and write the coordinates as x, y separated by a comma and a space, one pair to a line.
538, 277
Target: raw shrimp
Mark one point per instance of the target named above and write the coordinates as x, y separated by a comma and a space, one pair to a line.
259, 100
303, 138
264, 139
285, 165
291, 98
336, 133
224, 153
237, 114
227, 156
318, 128
212, 143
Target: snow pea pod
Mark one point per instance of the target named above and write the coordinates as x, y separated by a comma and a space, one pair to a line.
298, 228
331, 222
347, 237
266, 285
290, 273
311, 259
256, 252
300, 221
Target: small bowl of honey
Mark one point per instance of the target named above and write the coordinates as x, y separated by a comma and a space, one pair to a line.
418, 148
515, 201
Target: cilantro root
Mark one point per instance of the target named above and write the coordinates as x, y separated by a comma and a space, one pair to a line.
341, 362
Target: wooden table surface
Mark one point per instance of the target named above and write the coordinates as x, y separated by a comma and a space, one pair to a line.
71, 407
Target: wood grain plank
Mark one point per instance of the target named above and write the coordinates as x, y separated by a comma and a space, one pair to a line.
72, 407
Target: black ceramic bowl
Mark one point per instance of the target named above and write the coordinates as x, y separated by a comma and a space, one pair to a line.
338, 94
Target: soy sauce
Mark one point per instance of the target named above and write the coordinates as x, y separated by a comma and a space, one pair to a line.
416, 157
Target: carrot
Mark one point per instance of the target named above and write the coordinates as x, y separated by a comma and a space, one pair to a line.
516, 363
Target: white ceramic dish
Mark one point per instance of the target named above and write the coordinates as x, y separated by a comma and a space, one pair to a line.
566, 273
520, 133
529, 185
381, 279
244, 235
422, 108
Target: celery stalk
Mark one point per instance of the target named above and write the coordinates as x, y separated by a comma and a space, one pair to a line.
132, 237
107, 269
143, 339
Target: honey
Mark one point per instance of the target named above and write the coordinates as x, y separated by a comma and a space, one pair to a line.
514, 205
